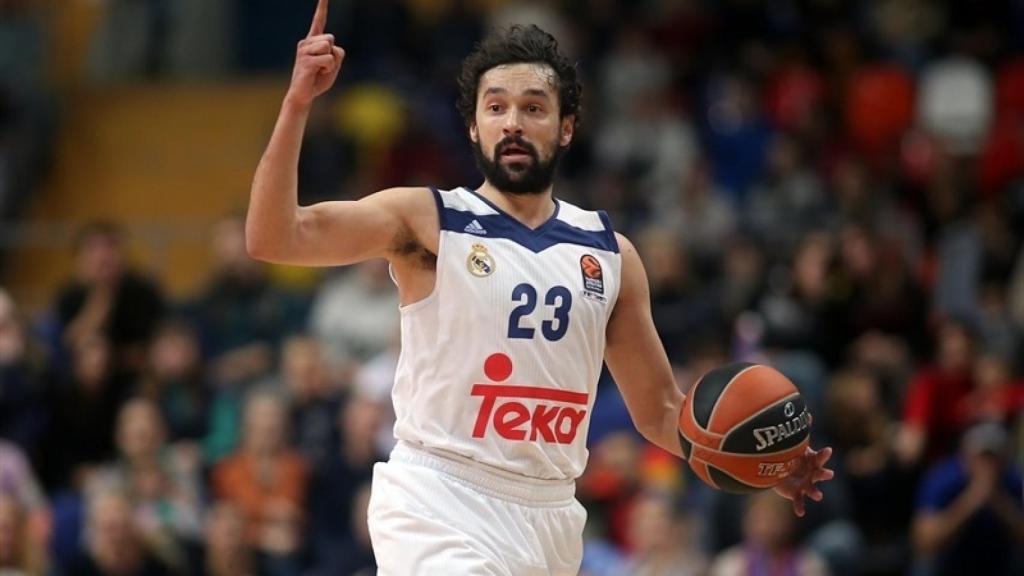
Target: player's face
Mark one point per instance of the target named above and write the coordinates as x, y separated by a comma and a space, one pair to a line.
518, 136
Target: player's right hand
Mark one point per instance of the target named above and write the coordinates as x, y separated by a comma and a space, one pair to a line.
317, 61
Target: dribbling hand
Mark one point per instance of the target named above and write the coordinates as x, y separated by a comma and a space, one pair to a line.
317, 61
806, 471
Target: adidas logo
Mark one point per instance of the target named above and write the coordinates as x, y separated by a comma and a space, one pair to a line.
474, 227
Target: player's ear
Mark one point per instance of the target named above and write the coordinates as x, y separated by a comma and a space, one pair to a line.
568, 128
474, 133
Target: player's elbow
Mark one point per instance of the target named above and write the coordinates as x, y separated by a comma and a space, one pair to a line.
259, 245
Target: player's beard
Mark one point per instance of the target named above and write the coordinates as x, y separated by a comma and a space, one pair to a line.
531, 177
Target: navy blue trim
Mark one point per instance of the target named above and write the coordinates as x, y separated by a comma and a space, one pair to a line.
440, 206
609, 229
551, 233
534, 231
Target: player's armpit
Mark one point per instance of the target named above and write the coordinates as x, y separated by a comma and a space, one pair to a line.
637, 360
345, 232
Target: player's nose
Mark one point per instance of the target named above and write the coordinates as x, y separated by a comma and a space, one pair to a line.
512, 123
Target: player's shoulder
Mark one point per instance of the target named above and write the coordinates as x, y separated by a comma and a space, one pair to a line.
626, 247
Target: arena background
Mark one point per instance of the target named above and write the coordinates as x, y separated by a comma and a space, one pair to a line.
831, 187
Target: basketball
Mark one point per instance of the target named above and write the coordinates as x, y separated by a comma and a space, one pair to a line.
741, 425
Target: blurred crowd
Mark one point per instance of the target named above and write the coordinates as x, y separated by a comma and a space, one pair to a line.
835, 188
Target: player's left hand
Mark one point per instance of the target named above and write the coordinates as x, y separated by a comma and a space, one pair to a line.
805, 471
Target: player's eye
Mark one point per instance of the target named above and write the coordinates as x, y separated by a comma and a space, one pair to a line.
494, 107
533, 108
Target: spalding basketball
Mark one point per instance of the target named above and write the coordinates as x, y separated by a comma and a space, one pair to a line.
741, 425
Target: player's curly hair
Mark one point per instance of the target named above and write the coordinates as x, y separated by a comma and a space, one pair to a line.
518, 44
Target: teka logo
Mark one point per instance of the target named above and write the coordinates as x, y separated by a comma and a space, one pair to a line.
554, 418
772, 468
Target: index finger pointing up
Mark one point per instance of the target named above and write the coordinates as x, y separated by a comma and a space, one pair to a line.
319, 19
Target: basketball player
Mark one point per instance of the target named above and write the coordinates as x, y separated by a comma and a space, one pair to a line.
510, 301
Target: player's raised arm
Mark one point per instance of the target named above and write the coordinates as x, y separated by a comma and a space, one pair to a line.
637, 360
329, 233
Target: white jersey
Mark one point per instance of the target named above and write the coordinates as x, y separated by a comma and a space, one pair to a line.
500, 362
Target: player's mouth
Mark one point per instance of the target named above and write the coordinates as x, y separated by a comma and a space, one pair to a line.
513, 153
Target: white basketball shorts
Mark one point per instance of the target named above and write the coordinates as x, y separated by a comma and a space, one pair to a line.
432, 514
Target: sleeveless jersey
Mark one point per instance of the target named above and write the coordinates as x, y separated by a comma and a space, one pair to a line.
500, 363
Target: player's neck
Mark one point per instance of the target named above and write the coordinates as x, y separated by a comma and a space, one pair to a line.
530, 209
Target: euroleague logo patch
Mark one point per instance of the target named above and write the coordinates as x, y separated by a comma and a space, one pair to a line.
593, 277
480, 263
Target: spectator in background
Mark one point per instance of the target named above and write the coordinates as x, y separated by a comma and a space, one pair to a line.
268, 481
861, 428
768, 544
996, 396
74, 445
878, 304
18, 480
25, 379
242, 316
114, 544
227, 552
108, 299
176, 381
355, 315
313, 398
337, 543
703, 212
374, 381
161, 481
22, 553
970, 510
328, 159
662, 540
795, 311
360, 560
787, 202
683, 309
932, 420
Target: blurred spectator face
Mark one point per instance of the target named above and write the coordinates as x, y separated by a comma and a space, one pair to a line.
264, 425
984, 448
767, 523
360, 418
858, 253
91, 362
783, 156
742, 263
174, 353
956, 349
12, 340
229, 247
651, 524
303, 368
140, 433
100, 258
112, 535
664, 258
12, 532
991, 372
731, 105
225, 534
810, 267
855, 393
851, 185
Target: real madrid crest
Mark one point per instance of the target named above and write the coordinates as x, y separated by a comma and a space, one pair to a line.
479, 262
